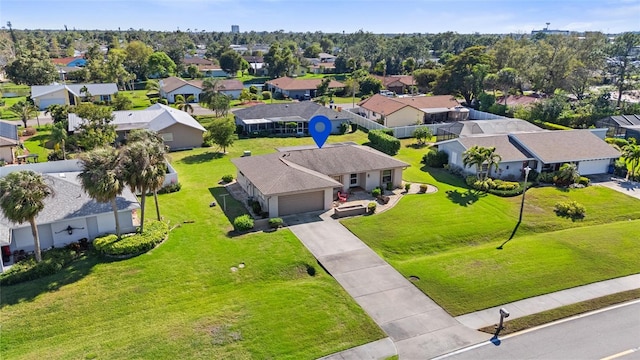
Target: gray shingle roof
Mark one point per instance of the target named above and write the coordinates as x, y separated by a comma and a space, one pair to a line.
507, 150
94, 89
565, 146
8, 134
625, 120
69, 201
303, 109
310, 169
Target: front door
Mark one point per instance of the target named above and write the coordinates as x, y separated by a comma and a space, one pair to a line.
353, 180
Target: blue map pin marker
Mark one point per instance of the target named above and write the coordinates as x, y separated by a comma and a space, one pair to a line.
320, 128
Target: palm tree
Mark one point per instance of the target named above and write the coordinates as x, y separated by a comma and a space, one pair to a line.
491, 158
184, 105
144, 167
153, 88
22, 195
210, 87
631, 153
101, 178
25, 110
473, 157
568, 174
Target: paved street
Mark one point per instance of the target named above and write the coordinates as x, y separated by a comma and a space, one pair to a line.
419, 328
605, 334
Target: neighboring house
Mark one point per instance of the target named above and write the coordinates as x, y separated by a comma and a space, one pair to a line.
323, 64
178, 129
9, 140
298, 88
173, 86
70, 94
206, 67
273, 118
519, 100
484, 127
399, 84
64, 71
298, 180
69, 215
543, 151
73, 61
413, 110
256, 63
626, 126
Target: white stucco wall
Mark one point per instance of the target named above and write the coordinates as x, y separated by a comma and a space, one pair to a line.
372, 180
593, 167
404, 117
58, 97
397, 177
185, 89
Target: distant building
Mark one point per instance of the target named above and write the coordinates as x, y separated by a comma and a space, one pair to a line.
548, 31
235, 29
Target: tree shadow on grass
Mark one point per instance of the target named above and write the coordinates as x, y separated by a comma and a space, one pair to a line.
444, 176
29, 290
464, 198
201, 158
418, 146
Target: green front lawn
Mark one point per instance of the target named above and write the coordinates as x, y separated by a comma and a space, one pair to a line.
448, 239
182, 300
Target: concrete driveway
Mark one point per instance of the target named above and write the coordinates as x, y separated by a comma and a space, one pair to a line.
626, 187
418, 327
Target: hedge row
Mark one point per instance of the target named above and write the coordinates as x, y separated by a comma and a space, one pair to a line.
52, 261
384, 142
155, 232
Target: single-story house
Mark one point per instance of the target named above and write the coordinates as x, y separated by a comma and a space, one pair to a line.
172, 86
399, 84
9, 140
627, 126
543, 151
298, 180
79, 61
273, 118
70, 94
178, 129
484, 127
298, 88
70, 215
413, 110
256, 63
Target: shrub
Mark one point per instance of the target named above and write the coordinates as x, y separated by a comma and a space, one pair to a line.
344, 127
275, 223
154, 233
584, 181
423, 188
382, 141
28, 131
435, 159
570, 209
505, 185
171, 188
52, 261
255, 206
227, 178
243, 223
371, 207
389, 186
470, 180
266, 95
376, 192
407, 186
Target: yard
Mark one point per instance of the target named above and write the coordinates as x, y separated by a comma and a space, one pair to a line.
182, 300
450, 242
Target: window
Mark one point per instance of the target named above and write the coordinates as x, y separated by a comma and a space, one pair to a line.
353, 179
386, 176
167, 136
454, 158
105, 98
337, 178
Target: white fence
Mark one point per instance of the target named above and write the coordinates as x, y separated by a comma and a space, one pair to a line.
407, 131
363, 121
481, 115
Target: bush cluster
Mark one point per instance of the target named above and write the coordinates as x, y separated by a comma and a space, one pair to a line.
494, 186
227, 178
175, 187
435, 159
382, 141
570, 209
243, 223
371, 207
423, 188
584, 181
275, 223
52, 261
376, 192
154, 233
344, 127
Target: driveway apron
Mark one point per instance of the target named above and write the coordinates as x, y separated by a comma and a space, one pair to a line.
419, 328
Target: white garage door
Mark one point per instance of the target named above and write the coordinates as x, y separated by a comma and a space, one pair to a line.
300, 203
44, 103
593, 167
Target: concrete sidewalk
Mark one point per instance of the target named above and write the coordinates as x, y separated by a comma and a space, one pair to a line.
418, 327
491, 316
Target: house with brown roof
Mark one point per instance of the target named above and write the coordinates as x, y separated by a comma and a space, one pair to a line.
399, 84
304, 179
543, 151
298, 88
207, 67
9, 140
413, 110
173, 86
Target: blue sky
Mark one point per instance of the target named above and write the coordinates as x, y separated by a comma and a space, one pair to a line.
377, 16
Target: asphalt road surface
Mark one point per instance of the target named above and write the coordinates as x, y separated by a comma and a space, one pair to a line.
612, 333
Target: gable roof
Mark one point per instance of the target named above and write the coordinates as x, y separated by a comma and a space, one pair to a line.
287, 83
156, 117
8, 134
391, 79
388, 105
625, 120
173, 83
310, 169
489, 127
196, 61
504, 145
69, 202
565, 146
304, 109
94, 89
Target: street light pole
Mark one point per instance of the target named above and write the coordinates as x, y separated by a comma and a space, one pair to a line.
524, 191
